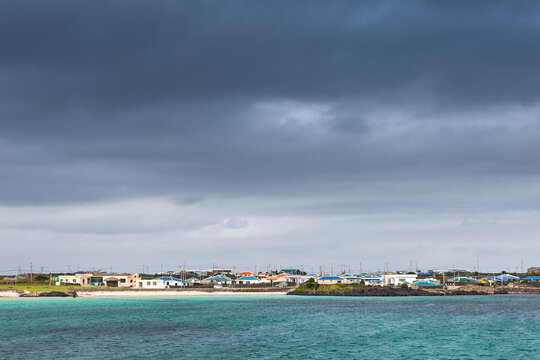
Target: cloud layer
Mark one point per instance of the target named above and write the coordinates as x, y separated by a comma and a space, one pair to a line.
307, 132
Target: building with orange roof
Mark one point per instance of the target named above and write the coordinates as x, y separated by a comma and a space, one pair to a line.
245, 273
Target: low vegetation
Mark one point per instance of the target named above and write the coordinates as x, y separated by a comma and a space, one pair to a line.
40, 287
311, 285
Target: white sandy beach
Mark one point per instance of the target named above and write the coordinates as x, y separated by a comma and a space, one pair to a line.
154, 293
125, 293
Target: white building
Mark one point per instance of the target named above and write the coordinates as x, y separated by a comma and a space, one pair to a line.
331, 280
398, 279
99, 279
247, 280
164, 282
300, 279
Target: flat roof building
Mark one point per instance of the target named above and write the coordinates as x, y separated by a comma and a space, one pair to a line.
99, 279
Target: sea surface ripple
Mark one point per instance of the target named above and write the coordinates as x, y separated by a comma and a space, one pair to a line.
277, 327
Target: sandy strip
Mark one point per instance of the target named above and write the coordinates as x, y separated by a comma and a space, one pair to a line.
143, 293
126, 293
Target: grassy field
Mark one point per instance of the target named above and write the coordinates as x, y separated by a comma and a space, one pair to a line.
45, 287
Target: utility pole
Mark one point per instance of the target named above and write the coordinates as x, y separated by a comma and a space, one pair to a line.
360, 269
142, 266
31, 275
50, 279
443, 274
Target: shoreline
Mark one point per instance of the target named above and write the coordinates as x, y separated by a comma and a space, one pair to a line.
127, 293
323, 291
135, 293
367, 291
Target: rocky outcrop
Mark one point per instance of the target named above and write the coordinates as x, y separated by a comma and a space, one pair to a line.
48, 294
367, 291
399, 291
57, 294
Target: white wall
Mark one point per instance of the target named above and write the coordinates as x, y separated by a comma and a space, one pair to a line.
157, 284
398, 279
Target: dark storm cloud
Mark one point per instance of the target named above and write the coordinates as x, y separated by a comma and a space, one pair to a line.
136, 98
131, 53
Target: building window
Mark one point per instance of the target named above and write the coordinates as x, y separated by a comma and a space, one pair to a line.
122, 280
148, 283
154, 283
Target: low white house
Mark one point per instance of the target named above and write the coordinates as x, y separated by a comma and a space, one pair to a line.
164, 282
300, 279
331, 280
99, 279
371, 279
398, 279
247, 280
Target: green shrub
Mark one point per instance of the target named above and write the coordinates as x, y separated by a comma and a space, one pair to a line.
311, 284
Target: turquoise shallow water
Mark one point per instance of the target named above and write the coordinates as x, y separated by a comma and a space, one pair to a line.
285, 327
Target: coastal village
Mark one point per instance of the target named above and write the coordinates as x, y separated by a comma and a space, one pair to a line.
226, 279
218, 278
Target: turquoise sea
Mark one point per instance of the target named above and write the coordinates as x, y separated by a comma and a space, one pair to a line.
276, 327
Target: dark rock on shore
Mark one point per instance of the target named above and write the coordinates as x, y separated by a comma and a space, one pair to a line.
57, 294
394, 291
475, 292
367, 291
49, 294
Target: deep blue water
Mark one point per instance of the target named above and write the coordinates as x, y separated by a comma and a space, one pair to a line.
284, 327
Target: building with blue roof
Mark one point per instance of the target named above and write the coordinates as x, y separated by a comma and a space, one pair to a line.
164, 282
217, 280
531, 278
505, 277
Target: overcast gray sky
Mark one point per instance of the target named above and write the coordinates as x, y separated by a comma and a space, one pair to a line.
298, 133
